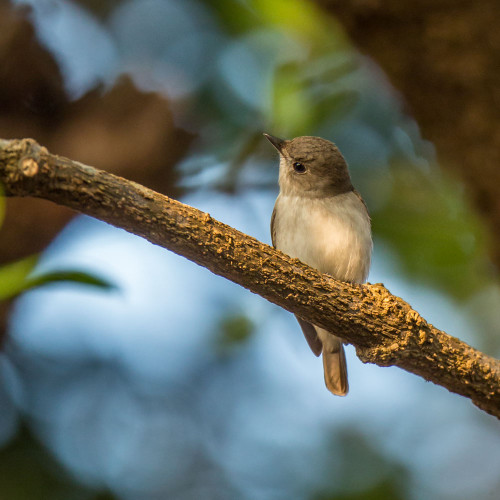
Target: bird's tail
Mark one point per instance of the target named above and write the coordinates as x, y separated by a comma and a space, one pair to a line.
334, 363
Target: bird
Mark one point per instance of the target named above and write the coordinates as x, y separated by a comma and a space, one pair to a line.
320, 219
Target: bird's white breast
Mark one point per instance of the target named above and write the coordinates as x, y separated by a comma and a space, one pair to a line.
331, 234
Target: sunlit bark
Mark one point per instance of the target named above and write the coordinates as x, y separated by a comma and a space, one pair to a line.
384, 329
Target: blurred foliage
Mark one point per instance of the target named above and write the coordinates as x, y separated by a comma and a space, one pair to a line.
194, 84
29, 471
100, 8
383, 490
303, 19
364, 473
279, 71
233, 331
313, 89
18, 277
439, 239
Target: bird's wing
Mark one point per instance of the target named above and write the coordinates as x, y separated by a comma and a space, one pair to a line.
311, 336
362, 201
273, 230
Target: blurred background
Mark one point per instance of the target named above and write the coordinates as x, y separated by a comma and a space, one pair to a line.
147, 377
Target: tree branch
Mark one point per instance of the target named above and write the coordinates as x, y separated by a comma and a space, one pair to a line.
384, 329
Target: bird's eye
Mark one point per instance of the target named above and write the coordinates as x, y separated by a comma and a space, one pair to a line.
299, 167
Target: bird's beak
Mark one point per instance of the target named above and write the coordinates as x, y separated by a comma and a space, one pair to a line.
275, 141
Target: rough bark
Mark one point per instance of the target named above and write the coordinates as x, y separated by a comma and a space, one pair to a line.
384, 329
444, 58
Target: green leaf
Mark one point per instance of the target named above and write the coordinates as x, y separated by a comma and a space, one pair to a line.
69, 276
13, 276
16, 278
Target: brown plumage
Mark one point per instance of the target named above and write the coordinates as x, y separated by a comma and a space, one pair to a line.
320, 219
